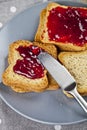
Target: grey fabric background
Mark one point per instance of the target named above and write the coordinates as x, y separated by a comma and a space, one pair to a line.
10, 120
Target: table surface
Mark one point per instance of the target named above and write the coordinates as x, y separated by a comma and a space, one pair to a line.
10, 120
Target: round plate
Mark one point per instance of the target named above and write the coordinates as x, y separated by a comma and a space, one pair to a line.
50, 107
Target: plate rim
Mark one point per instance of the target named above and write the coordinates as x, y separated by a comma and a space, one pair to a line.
37, 120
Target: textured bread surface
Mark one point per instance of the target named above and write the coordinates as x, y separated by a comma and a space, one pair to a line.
12, 79
76, 63
20, 83
42, 33
52, 50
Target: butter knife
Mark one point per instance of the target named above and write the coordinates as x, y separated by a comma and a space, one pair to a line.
62, 76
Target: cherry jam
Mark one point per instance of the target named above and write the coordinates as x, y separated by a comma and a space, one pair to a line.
68, 25
29, 66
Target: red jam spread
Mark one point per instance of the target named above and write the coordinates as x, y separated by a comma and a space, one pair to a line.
68, 25
29, 66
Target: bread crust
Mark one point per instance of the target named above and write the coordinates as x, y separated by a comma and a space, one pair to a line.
10, 78
39, 36
20, 83
42, 33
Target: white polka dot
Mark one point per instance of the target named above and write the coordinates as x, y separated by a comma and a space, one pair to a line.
0, 121
57, 127
13, 9
1, 25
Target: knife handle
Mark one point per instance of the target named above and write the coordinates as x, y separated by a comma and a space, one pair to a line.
79, 98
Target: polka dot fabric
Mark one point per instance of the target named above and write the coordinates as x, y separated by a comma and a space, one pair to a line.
13, 9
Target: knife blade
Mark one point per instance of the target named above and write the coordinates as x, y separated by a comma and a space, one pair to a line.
62, 76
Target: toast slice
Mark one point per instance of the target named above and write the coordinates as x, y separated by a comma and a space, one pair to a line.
10, 78
18, 82
42, 34
76, 63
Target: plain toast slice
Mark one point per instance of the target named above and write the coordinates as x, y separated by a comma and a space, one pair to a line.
76, 63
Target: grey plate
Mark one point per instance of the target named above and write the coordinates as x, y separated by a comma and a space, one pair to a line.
51, 107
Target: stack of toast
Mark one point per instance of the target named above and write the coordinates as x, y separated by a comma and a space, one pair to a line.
73, 55
21, 83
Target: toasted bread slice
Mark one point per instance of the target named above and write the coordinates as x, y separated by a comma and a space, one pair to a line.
20, 83
76, 63
42, 31
10, 78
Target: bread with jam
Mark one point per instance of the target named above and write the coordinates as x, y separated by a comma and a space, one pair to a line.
76, 63
25, 73
64, 26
